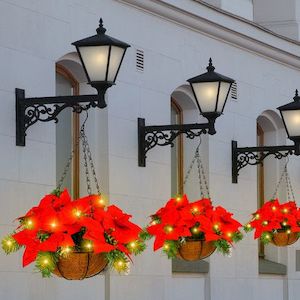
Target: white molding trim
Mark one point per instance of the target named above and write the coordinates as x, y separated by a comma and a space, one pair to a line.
209, 21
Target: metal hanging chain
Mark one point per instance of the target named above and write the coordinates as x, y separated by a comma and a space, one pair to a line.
88, 161
289, 187
200, 170
68, 164
85, 160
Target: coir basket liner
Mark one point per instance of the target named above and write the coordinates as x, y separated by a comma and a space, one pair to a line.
80, 265
193, 250
282, 239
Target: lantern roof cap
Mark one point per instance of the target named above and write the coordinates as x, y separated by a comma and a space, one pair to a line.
295, 105
210, 76
100, 39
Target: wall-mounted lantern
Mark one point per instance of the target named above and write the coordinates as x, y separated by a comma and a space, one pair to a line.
241, 157
211, 91
101, 57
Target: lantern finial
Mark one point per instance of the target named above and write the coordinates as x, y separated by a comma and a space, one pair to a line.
297, 98
101, 29
210, 67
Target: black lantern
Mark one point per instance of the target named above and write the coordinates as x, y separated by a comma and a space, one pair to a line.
101, 56
211, 91
241, 157
290, 114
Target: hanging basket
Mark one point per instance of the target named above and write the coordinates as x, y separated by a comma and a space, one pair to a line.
193, 250
80, 265
282, 239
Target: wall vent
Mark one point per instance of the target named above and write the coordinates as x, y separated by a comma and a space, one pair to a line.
139, 60
234, 94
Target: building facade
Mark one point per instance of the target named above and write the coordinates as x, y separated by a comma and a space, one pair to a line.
171, 41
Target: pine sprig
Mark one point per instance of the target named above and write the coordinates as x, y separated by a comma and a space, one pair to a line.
9, 244
118, 261
145, 235
266, 237
223, 246
237, 236
171, 248
136, 247
46, 263
248, 228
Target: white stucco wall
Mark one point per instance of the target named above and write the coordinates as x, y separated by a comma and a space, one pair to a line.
33, 35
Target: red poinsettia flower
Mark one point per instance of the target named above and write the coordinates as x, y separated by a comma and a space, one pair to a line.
273, 216
58, 223
180, 219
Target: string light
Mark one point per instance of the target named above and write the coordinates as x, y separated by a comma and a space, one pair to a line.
29, 223
195, 209
88, 245
267, 236
274, 208
229, 234
132, 244
195, 230
285, 210
66, 250
216, 226
178, 199
248, 225
120, 265
284, 223
265, 222
257, 216
77, 213
101, 201
288, 231
169, 229
53, 225
154, 222
45, 261
166, 247
9, 243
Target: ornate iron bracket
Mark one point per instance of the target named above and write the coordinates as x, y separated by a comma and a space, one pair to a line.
44, 109
163, 135
241, 157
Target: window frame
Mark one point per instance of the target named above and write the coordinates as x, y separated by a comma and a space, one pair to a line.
75, 176
180, 165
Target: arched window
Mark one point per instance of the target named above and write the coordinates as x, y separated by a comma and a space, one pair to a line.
270, 131
67, 131
184, 110
177, 152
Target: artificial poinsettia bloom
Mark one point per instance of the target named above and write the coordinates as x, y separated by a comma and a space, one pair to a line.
273, 216
179, 220
121, 228
176, 203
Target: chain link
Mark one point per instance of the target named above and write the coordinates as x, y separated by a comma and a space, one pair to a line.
289, 187
201, 173
91, 162
87, 161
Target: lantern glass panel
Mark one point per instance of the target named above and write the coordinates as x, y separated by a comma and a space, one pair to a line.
206, 95
292, 122
116, 55
95, 61
224, 89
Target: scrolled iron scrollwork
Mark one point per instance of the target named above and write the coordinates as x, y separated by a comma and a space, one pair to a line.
256, 158
164, 138
49, 112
